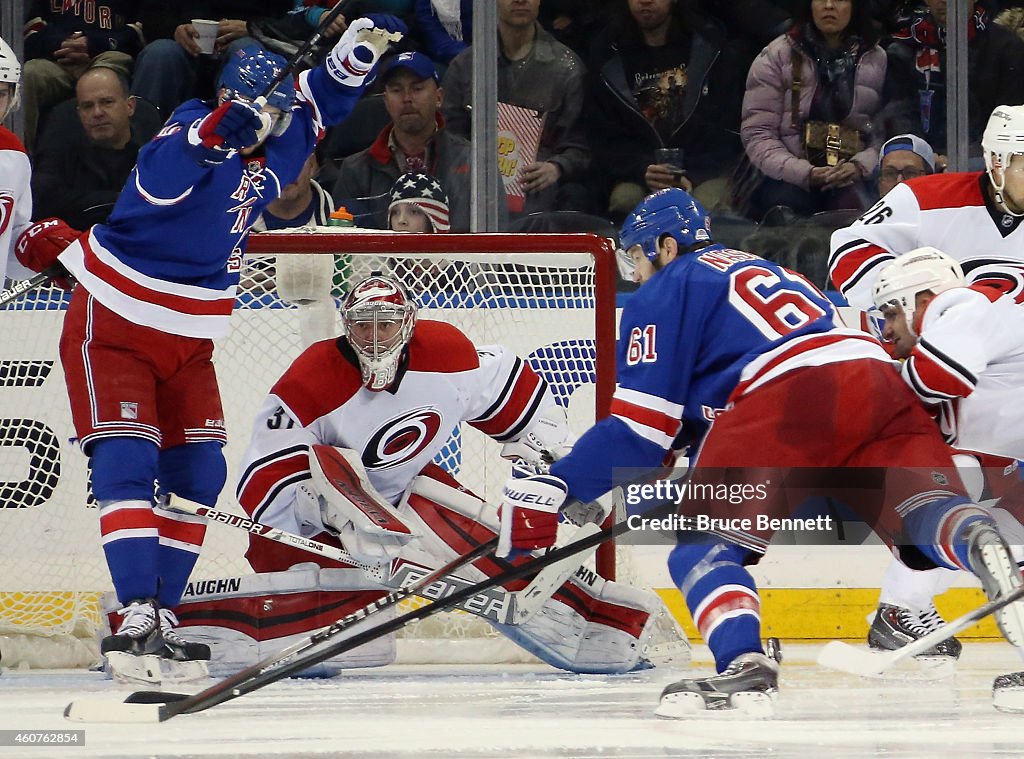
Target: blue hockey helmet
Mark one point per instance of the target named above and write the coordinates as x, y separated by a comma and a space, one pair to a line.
250, 70
672, 212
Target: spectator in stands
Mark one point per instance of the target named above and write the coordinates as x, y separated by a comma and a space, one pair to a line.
416, 139
574, 23
303, 203
544, 76
445, 27
87, 150
904, 157
819, 82
418, 204
916, 76
62, 40
662, 76
171, 68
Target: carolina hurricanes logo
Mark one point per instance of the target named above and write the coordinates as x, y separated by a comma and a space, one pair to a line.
1008, 277
401, 439
6, 209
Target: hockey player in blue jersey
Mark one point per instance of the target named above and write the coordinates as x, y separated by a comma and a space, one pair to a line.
724, 349
157, 285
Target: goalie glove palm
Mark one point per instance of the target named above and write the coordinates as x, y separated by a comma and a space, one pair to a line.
529, 513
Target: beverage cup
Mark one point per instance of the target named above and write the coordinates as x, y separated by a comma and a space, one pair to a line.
207, 34
672, 157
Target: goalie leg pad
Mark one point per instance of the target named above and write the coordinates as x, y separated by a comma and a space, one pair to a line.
245, 619
591, 626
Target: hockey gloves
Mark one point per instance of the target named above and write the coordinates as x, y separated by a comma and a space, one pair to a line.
529, 513
40, 244
232, 126
355, 55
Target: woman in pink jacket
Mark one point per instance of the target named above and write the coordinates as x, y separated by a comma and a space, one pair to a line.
828, 63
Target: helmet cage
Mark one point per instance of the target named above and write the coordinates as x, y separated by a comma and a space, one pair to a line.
368, 316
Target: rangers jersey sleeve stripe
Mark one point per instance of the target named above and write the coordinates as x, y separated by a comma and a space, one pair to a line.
649, 424
934, 375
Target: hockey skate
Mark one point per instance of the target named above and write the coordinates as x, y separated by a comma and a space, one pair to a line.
896, 626
747, 686
1008, 692
146, 649
991, 561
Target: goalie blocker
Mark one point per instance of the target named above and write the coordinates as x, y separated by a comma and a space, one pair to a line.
587, 625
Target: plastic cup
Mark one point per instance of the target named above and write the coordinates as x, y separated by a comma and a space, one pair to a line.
207, 34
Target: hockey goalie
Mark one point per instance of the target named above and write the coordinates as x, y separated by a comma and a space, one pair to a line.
342, 452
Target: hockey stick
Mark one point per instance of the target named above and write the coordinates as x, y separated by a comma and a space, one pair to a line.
156, 706
143, 706
28, 285
503, 606
846, 658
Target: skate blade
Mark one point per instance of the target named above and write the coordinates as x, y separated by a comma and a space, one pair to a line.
1009, 700
744, 705
154, 670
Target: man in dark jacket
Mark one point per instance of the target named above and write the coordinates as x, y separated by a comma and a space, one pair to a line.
663, 77
86, 153
416, 140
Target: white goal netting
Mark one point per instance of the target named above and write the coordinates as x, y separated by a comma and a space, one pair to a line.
550, 298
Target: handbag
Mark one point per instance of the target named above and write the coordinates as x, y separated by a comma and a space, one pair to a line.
825, 143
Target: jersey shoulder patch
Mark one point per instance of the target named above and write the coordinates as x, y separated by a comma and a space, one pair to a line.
318, 381
440, 347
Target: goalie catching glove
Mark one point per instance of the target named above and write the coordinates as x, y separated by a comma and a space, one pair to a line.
40, 244
353, 59
547, 440
529, 513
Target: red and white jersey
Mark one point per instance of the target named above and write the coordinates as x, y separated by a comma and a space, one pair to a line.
15, 203
443, 380
951, 212
970, 363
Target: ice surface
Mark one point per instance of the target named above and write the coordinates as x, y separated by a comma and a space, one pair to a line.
526, 711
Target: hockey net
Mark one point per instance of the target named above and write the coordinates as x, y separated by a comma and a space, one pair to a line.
549, 298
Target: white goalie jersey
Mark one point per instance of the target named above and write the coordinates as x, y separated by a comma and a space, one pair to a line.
970, 363
951, 212
443, 380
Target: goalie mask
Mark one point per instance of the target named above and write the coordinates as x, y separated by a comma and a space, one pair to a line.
920, 270
672, 212
10, 72
378, 318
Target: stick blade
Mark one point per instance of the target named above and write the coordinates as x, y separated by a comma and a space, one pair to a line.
846, 658
105, 710
154, 697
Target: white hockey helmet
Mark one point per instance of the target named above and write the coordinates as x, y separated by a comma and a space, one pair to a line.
378, 317
905, 276
1003, 137
10, 72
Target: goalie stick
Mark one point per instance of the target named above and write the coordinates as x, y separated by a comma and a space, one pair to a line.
28, 285
156, 706
503, 606
846, 658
